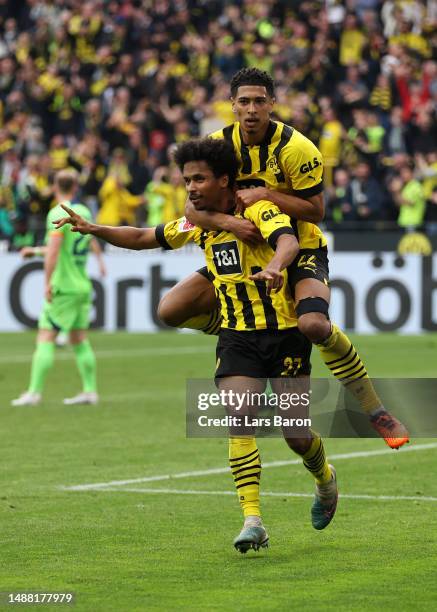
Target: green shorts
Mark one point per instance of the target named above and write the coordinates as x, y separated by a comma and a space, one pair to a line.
66, 312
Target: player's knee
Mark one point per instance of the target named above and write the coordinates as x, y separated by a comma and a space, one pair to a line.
168, 313
77, 336
313, 318
314, 326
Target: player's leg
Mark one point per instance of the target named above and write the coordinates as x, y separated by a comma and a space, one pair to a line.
313, 454
312, 296
43, 356
309, 445
192, 303
293, 350
240, 369
85, 357
245, 464
86, 365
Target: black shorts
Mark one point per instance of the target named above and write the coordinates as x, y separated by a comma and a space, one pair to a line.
205, 272
309, 263
263, 353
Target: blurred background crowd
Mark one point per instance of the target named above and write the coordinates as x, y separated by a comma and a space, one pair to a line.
107, 86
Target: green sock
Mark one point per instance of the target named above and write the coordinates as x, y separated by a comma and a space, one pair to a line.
86, 364
42, 361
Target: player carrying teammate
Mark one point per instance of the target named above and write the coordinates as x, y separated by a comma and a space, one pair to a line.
259, 338
278, 163
67, 298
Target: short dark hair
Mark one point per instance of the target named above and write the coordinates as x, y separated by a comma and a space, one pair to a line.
218, 154
252, 76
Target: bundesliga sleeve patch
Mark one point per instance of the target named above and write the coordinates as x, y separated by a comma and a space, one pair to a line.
185, 225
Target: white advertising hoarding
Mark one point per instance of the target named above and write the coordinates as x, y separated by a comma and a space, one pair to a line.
369, 293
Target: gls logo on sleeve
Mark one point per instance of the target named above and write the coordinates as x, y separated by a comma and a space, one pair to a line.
269, 214
227, 258
308, 166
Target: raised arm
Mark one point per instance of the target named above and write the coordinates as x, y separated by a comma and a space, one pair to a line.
310, 209
287, 247
125, 237
243, 229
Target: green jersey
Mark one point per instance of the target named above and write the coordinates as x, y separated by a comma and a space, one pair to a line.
70, 274
412, 215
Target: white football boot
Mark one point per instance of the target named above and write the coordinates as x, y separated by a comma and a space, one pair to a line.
89, 397
27, 399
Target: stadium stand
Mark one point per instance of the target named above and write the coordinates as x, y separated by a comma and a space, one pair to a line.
108, 86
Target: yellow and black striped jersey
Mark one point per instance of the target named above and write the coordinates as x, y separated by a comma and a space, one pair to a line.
245, 304
285, 161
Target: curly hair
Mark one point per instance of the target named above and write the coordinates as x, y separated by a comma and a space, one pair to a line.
218, 154
252, 76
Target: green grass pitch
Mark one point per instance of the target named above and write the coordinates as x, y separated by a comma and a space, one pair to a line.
127, 550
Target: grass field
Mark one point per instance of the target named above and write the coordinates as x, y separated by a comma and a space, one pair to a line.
140, 546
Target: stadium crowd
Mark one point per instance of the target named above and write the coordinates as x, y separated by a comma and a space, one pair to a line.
107, 86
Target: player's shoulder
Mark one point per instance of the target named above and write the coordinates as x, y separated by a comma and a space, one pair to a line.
56, 212
81, 210
297, 142
225, 132
263, 209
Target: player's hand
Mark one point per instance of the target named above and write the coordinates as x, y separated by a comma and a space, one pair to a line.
27, 252
77, 222
272, 277
48, 293
246, 231
191, 213
247, 197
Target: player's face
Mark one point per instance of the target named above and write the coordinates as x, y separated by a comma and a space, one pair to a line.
252, 106
205, 191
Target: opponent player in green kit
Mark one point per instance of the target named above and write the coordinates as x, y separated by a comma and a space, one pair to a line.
67, 297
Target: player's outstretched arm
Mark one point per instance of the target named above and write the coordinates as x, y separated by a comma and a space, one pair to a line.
310, 209
243, 229
134, 238
287, 247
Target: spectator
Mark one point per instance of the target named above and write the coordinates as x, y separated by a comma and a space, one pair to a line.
431, 211
381, 96
80, 80
339, 194
395, 138
352, 92
365, 196
352, 41
422, 135
409, 197
118, 204
169, 186
426, 172
6, 210
330, 142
